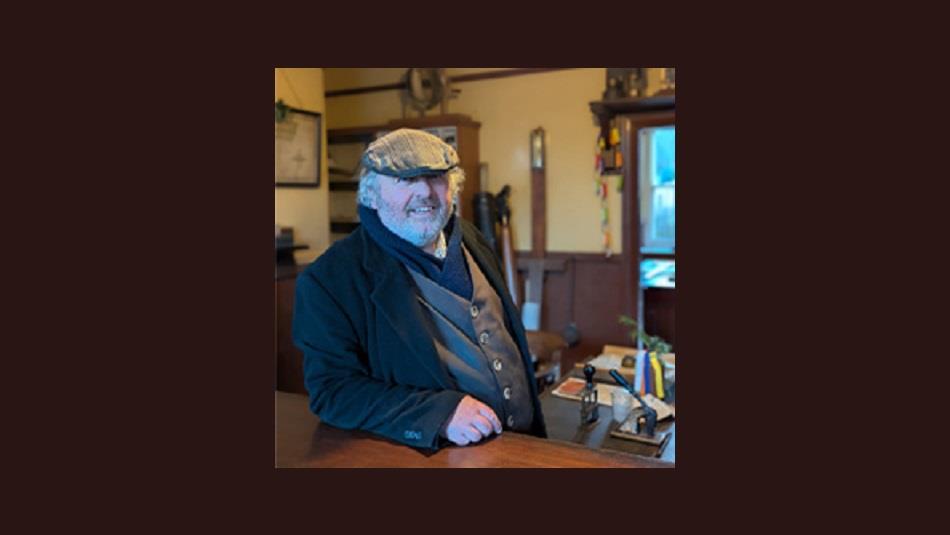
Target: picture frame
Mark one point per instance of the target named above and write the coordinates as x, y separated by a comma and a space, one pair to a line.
297, 149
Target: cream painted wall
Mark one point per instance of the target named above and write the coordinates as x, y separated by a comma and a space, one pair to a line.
304, 209
509, 108
350, 78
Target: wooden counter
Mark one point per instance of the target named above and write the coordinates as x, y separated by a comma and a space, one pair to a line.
301, 441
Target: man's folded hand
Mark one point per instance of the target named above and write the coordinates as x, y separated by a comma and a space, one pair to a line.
472, 421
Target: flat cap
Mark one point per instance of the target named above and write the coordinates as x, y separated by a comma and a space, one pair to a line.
407, 153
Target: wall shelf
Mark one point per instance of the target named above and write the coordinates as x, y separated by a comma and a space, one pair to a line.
607, 109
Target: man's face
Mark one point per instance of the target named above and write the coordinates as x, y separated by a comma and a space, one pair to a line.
416, 208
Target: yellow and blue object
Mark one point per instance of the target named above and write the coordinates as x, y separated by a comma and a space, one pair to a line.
648, 378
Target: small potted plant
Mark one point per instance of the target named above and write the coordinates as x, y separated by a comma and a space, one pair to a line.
651, 343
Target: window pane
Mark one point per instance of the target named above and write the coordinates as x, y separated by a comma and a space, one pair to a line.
658, 187
664, 215
665, 144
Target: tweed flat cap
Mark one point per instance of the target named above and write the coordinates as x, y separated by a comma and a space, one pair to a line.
407, 153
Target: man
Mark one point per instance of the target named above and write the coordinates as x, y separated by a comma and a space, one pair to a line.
407, 328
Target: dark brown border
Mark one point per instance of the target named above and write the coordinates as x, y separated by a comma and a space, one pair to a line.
179, 389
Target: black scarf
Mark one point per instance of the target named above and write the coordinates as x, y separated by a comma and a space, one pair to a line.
450, 273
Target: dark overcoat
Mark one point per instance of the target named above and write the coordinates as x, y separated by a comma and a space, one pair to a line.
369, 362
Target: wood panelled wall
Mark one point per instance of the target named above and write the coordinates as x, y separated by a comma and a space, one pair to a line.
659, 313
590, 291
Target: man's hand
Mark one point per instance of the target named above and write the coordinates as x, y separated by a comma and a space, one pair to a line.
472, 421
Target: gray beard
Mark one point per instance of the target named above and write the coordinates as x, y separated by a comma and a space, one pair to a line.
402, 227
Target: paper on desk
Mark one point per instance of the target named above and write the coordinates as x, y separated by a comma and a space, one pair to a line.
613, 360
607, 362
663, 410
572, 388
619, 350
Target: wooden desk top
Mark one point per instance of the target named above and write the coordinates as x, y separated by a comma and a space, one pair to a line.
301, 441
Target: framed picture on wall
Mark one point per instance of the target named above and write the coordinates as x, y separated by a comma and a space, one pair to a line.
297, 148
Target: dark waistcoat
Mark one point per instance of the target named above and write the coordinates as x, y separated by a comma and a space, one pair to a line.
478, 351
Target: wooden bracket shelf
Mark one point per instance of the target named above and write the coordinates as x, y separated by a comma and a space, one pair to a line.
606, 109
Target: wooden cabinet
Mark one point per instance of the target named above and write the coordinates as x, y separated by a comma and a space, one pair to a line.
289, 359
